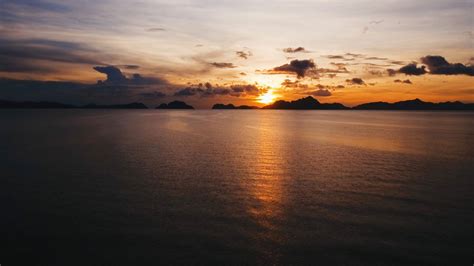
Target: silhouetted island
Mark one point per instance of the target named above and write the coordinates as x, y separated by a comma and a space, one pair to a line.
231, 106
54, 105
307, 103
174, 105
37, 105
415, 104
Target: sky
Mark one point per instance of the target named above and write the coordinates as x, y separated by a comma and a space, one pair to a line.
242, 52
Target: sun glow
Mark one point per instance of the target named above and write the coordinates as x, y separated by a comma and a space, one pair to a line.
267, 98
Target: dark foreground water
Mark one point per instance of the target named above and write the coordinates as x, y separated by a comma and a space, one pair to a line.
113, 187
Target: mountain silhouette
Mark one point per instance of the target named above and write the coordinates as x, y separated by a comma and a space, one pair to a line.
231, 106
54, 105
174, 105
307, 103
415, 104
37, 105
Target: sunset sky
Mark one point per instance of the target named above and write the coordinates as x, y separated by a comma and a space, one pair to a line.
242, 52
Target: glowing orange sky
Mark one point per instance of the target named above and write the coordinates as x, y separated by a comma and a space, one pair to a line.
180, 45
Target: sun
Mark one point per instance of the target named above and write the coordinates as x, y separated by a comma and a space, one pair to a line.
267, 98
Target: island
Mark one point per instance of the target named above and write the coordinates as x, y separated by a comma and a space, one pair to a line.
415, 104
4, 104
231, 106
307, 103
174, 105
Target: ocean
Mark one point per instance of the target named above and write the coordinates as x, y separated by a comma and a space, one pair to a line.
267, 187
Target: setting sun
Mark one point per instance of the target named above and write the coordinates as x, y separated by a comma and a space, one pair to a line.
267, 98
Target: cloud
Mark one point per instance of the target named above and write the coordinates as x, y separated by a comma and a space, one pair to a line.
321, 92
376, 58
207, 90
129, 66
407, 81
153, 95
116, 77
438, 65
391, 72
223, 65
396, 62
247, 89
355, 81
298, 67
33, 55
412, 69
345, 57
354, 55
155, 29
243, 54
376, 21
376, 73
72, 92
365, 30
187, 92
295, 50
303, 68
335, 56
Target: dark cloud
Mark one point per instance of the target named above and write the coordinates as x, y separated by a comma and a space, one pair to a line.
33, 55
376, 58
243, 54
208, 85
345, 57
335, 57
354, 55
155, 29
293, 84
153, 95
321, 92
406, 81
355, 81
247, 89
223, 65
396, 62
438, 65
298, 67
71, 92
129, 66
207, 90
303, 68
116, 77
412, 69
391, 72
295, 50
376, 72
187, 92
376, 21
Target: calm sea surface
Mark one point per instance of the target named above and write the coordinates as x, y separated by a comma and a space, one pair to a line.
132, 187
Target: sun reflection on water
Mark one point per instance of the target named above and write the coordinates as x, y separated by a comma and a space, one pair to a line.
266, 189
